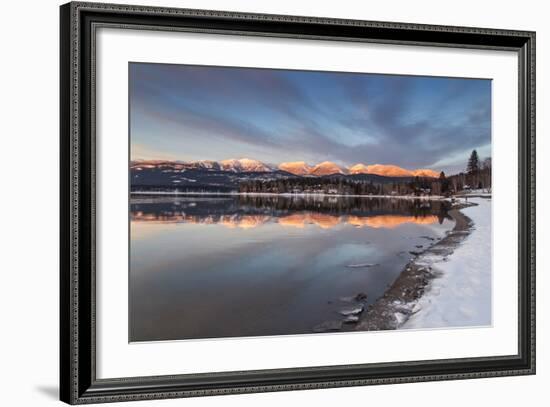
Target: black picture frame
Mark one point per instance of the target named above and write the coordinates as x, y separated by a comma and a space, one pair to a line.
78, 382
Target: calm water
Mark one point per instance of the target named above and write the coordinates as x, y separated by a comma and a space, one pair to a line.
223, 266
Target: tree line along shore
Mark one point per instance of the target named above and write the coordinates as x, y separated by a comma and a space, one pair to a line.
476, 177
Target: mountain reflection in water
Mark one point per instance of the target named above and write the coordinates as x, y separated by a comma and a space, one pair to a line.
251, 211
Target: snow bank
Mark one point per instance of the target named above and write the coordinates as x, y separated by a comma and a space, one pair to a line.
461, 295
476, 192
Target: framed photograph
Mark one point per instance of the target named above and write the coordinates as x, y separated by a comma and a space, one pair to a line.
255, 203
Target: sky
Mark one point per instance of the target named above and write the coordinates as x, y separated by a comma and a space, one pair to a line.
191, 112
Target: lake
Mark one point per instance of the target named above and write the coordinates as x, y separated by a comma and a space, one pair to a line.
210, 266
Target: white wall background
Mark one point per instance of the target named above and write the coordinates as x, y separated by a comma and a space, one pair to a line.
29, 202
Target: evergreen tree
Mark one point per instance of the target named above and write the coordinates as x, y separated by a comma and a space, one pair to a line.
473, 163
444, 183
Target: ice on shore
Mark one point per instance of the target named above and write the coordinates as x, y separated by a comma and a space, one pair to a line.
352, 310
360, 265
354, 298
460, 294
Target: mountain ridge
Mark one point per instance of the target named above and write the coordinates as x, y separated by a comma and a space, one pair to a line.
298, 168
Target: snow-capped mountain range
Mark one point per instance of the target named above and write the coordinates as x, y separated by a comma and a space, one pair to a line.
299, 168
244, 165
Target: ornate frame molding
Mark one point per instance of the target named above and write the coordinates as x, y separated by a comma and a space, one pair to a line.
79, 21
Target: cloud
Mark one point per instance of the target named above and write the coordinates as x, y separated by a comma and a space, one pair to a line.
280, 115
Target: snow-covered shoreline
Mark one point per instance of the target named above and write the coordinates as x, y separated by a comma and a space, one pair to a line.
446, 285
460, 295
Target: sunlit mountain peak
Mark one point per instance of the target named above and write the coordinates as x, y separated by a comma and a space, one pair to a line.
244, 164
359, 169
327, 168
295, 167
425, 172
388, 170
